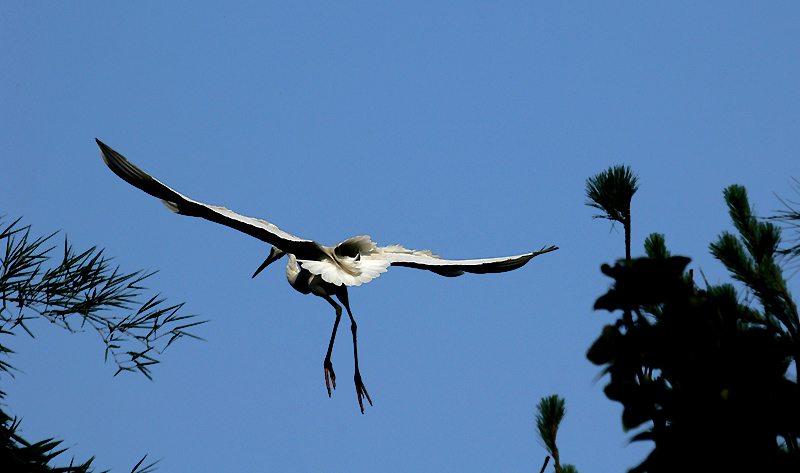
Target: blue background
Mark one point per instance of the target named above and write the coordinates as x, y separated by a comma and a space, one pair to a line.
467, 128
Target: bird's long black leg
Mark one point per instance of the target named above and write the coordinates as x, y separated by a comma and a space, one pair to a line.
330, 376
361, 391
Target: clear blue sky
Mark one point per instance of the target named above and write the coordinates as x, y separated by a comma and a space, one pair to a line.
467, 128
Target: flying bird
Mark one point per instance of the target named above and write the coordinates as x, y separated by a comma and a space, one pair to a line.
325, 271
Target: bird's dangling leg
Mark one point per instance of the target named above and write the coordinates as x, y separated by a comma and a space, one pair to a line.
361, 391
330, 376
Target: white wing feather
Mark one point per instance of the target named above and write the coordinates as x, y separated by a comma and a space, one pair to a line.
346, 271
370, 265
399, 256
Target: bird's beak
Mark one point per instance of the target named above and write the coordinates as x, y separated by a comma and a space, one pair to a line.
274, 255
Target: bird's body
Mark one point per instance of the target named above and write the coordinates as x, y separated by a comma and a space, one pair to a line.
324, 271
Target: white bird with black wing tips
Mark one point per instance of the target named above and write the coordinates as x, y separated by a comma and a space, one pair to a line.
324, 271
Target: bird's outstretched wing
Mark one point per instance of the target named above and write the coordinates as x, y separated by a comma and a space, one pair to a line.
182, 205
399, 256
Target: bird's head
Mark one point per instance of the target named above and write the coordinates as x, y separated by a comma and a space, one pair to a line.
274, 255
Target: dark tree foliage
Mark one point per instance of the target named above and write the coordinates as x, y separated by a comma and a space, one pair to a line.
79, 292
704, 372
790, 217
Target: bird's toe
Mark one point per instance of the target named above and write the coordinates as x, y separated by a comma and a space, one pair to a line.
361, 391
330, 376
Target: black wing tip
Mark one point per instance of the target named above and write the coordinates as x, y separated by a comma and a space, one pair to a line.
132, 174
109, 155
522, 260
105, 150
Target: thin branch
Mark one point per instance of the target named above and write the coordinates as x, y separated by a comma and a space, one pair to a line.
546, 459
85, 291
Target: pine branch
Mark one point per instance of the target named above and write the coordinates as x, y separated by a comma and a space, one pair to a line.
550, 413
612, 191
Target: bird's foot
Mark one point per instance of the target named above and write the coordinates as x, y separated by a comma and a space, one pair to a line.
361, 391
330, 376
